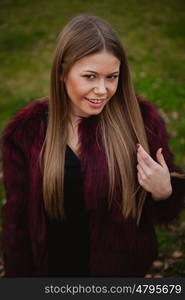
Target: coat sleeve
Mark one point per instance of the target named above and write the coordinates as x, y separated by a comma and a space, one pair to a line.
164, 211
16, 243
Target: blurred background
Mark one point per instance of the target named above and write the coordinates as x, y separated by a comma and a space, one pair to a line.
153, 34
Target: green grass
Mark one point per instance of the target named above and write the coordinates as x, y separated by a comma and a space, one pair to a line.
151, 31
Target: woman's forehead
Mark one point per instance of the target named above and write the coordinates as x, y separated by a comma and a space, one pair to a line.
99, 62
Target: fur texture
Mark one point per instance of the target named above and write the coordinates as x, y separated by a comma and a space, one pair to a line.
118, 247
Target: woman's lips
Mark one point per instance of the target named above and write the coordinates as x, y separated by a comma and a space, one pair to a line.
94, 105
94, 99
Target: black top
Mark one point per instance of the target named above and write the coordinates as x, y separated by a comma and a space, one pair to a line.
68, 240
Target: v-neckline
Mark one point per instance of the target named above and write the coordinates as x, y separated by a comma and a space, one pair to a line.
74, 154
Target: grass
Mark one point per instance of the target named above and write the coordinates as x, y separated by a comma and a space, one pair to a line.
151, 31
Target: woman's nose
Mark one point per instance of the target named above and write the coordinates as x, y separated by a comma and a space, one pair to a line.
100, 88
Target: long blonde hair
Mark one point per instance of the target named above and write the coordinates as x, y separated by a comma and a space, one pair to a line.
121, 124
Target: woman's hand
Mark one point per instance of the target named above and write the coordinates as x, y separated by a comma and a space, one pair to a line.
152, 176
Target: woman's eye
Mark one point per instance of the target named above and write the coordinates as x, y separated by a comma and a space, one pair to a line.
89, 76
112, 76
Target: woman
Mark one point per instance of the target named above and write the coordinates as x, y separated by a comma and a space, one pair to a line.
85, 177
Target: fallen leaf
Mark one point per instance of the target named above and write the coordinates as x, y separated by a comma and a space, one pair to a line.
148, 276
175, 115
166, 265
171, 260
177, 254
158, 264
158, 276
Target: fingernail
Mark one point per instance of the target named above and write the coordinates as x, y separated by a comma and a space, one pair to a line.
137, 146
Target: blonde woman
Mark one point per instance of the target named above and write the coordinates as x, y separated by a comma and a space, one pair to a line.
87, 170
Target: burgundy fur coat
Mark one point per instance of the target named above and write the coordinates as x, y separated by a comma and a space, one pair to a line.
118, 247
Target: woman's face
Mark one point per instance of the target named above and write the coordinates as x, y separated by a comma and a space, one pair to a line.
91, 83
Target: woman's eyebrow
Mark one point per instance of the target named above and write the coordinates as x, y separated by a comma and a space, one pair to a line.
98, 73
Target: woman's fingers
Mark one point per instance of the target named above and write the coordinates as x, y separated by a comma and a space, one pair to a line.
141, 171
153, 175
139, 179
160, 158
145, 158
